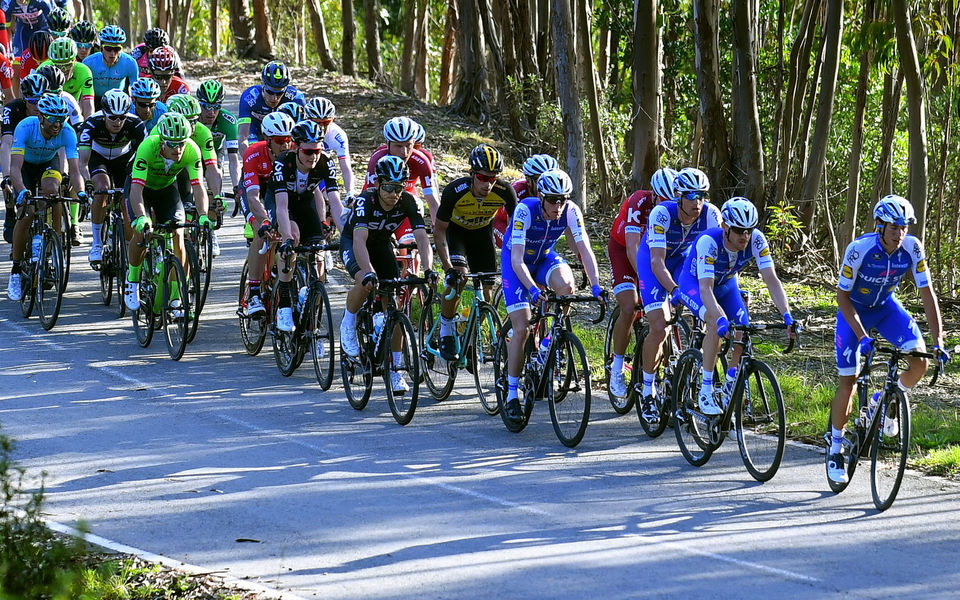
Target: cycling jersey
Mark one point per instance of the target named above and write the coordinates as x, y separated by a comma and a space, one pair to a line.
80, 84
368, 214
153, 171
336, 141
707, 260
6, 72
158, 111
29, 142
29, 18
27, 64
204, 140
633, 216
224, 132
16, 111
287, 178
120, 76
94, 135
523, 190
459, 206
257, 166
537, 235
253, 107
177, 86
420, 169
872, 276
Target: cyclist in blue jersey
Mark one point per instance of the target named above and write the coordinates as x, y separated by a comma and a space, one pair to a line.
708, 286
257, 101
34, 160
25, 17
146, 107
671, 228
873, 266
111, 67
528, 261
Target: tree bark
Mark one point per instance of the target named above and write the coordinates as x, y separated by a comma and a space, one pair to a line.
371, 28
778, 96
263, 41
747, 142
526, 33
910, 65
883, 182
409, 42
186, 13
126, 19
320, 35
469, 100
163, 14
240, 26
514, 98
421, 81
349, 46
447, 57
646, 94
493, 44
584, 19
707, 59
214, 27
856, 152
562, 29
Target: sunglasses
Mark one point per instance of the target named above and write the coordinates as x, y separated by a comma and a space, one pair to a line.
33, 100
280, 139
146, 104
741, 230
166, 77
55, 120
555, 199
694, 196
84, 45
323, 122
392, 188
174, 145
117, 118
485, 178
310, 151
209, 106
109, 48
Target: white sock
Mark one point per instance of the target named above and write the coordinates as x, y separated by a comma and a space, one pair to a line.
836, 442
349, 318
707, 385
648, 380
617, 364
97, 228
446, 326
902, 387
397, 359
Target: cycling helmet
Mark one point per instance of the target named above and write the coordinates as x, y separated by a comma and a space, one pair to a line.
274, 76
54, 76
538, 163
294, 110
163, 59
34, 85
84, 32
393, 169
210, 92
662, 183
115, 102
554, 182
62, 51
277, 124
39, 43
186, 105
486, 158
52, 105
59, 21
156, 37
400, 129
691, 179
894, 209
421, 136
320, 108
739, 212
307, 132
145, 88
173, 127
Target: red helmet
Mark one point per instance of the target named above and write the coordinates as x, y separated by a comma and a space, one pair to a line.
163, 59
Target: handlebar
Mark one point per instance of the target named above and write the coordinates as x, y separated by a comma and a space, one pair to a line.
550, 296
896, 354
758, 327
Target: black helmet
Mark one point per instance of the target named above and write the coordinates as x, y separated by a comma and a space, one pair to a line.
83, 32
392, 168
156, 37
486, 158
54, 76
34, 85
39, 42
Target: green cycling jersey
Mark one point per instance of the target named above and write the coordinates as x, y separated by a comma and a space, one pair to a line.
153, 171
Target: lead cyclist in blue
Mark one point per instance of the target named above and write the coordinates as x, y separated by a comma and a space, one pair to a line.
873, 266
529, 261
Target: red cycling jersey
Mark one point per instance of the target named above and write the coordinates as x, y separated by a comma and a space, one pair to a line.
177, 86
633, 215
421, 168
502, 218
257, 165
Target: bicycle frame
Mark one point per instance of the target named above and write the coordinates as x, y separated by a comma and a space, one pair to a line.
464, 340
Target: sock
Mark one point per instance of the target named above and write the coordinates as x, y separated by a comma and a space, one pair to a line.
97, 228
512, 384
648, 380
707, 380
74, 213
446, 326
836, 443
350, 318
284, 301
133, 273
16, 269
902, 387
397, 359
617, 363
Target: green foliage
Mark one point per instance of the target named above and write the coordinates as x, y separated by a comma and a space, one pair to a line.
783, 228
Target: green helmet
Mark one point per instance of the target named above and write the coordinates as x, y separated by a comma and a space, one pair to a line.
186, 105
210, 92
173, 127
62, 51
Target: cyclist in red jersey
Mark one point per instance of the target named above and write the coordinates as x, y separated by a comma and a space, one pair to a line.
625, 235
163, 64
525, 188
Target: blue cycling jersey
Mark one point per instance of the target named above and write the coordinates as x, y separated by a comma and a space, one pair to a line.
158, 111
120, 75
709, 258
537, 235
665, 230
36, 149
871, 275
253, 107
29, 18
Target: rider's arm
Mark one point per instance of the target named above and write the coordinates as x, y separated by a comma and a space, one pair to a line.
86, 106
705, 253
577, 234
518, 245
213, 177
423, 245
360, 249
850, 314
136, 200
332, 191
657, 225
5, 144
777, 293
440, 239
921, 276
849, 270
233, 163
243, 133
347, 172
254, 204
85, 162
16, 177
319, 204
193, 172
283, 215
76, 180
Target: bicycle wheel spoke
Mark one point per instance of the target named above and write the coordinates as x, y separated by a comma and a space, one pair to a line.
483, 357
401, 367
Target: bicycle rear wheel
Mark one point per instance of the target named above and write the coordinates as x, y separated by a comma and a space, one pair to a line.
119, 244
357, 375
50, 280
143, 317
176, 320
28, 287
402, 403
621, 404
205, 264
66, 245
107, 264
570, 412
483, 351
439, 374
321, 335
500, 368
192, 272
662, 398
760, 419
891, 444
690, 425
253, 330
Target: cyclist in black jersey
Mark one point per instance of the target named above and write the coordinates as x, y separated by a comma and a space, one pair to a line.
301, 179
32, 87
107, 142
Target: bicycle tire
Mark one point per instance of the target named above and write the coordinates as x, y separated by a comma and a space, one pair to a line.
688, 423
28, 287
121, 263
506, 332
253, 330
205, 264
570, 416
760, 420
851, 466
285, 345
662, 400
192, 272
402, 405
439, 374
143, 317
620, 404
66, 245
176, 320
107, 264
483, 357
357, 375
888, 453
49, 280
321, 337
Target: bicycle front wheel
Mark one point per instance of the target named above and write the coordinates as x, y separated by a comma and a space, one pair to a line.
661, 399
28, 283
50, 280
500, 368
107, 264
483, 350
119, 244
891, 443
321, 335
253, 330
143, 320
192, 272
621, 404
760, 420
439, 374
568, 371
176, 307
66, 246
205, 264
690, 425
399, 366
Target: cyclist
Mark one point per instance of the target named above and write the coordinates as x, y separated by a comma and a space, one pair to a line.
84, 33
671, 229
400, 134
367, 251
34, 160
108, 140
873, 266
59, 22
301, 178
259, 100
152, 39
222, 125
146, 107
322, 112
151, 188
163, 66
625, 235
35, 53
25, 17
526, 187
56, 79
14, 112
709, 287
419, 140
259, 210
78, 78
464, 232
111, 67
528, 262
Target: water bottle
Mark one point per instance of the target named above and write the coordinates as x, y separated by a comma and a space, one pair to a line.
542, 354
35, 255
378, 319
302, 300
328, 260
462, 320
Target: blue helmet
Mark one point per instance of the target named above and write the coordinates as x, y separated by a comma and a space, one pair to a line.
393, 169
275, 76
894, 209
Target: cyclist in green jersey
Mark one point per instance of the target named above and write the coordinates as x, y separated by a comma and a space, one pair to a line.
62, 53
152, 187
222, 124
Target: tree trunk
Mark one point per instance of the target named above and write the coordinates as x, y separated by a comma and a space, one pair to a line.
562, 29
469, 100
409, 42
603, 57
186, 13
263, 41
492, 42
613, 70
215, 27
646, 94
371, 29
804, 125
421, 80
447, 57
126, 19
707, 59
584, 19
163, 14
778, 96
910, 65
320, 35
512, 76
856, 152
349, 45
240, 26
526, 33
747, 142
883, 182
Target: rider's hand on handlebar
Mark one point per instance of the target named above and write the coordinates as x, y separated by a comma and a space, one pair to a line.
205, 221
675, 296
723, 326
451, 278
535, 294
89, 187
369, 280
142, 222
264, 230
866, 345
286, 248
943, 357
432, 276
793, 327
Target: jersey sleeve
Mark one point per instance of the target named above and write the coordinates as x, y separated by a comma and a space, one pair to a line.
361, 213
448, 200
575, 223
519, 225
637, 212
761, 250
706, 249
85, 139
6, 73
246, 101
191, 156
250, 177
139, 172
330, 178
228, 126
657, 225
336, 140
6, 121
713, 216
20, 135
86, 82
921, 274
205, 142
412, 209
852, 259
70, 143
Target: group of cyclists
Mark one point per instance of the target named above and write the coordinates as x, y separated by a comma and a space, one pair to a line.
90, 112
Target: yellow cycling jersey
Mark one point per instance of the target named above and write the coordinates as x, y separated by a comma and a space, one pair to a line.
458, 205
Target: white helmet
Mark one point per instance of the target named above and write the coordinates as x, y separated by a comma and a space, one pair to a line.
554, 183
116, 102
538, 163
320, 108
400, 129
662, 183
691, 179
894, 209
276, 124
740, 212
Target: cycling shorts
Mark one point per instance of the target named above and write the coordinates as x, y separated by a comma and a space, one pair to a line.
382, 258
302, 211
33, 173
728, 296
652, 294
267, 199
114, 168
515, 295
164, 203
472, 248
624, 277
893, 322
